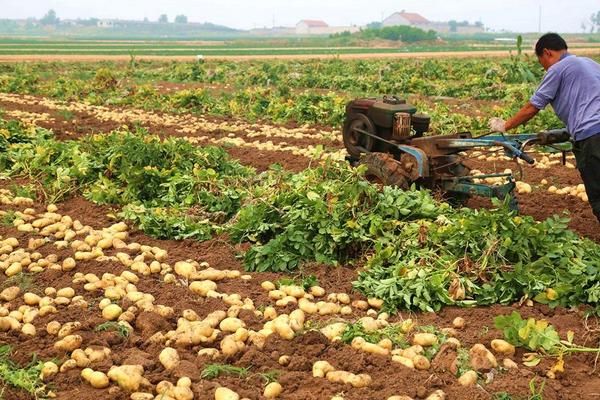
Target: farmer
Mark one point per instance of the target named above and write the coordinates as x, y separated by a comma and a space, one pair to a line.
572, 86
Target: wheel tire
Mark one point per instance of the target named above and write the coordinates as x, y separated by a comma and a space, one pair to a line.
383, 168
353, 140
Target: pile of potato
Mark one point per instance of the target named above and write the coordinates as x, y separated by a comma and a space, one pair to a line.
323, 369
575, 191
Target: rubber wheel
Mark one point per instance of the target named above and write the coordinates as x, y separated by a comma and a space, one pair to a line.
383, 168
353, 140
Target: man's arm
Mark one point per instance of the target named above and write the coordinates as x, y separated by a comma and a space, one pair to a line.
525, 114
540, 99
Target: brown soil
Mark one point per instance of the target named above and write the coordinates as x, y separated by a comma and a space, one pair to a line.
579, 382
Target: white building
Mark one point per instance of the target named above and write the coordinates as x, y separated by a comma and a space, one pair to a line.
418, 21
316, 27
404, 18
106, 23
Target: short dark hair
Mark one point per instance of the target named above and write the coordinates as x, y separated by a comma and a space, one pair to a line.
550, 41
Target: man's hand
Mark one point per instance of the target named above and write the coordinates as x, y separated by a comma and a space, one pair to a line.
497, 125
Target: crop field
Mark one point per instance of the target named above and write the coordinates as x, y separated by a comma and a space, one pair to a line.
90, 47
183, 231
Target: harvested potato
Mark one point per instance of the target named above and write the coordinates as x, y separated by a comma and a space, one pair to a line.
231, 324
503, 347
10, 293
184, 381
141, 396
334, 330
111, 312
128, 377
437, 395
224, 393
49, 369
169, 358
69, 343
28, 329
229, 346
361, 344
203, 287
80, 358
407, 362
458, 322
358, 381
425, 339
481, 358
421, 362
183, 393
210, 353
272, 390
321, 368
98, 380
468, 378
86, 373
53, 327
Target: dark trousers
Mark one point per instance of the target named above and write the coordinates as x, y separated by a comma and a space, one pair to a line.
587, 154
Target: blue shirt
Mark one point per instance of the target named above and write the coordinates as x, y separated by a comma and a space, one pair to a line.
572, 87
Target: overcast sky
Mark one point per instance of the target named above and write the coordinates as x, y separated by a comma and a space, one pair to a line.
515, 15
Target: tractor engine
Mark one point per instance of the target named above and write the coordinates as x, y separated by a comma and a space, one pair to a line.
390, 118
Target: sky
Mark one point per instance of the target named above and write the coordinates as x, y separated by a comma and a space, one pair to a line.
512, 15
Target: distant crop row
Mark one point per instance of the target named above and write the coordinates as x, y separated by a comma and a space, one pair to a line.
313, 92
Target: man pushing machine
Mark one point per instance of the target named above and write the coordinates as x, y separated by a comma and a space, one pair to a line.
572, 87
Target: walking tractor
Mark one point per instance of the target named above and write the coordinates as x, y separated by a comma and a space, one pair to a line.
387, 135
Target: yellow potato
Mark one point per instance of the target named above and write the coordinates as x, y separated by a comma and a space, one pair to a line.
468, 378
69, 343
48, 370
321, 368
421, 362
86, 373
458, 322
425, 339
128, 377
183, 393
203, 287
224, 393
272, 390
334, 330
28, 329
98, 380
231, 324
503, 347
407, 362
111, 312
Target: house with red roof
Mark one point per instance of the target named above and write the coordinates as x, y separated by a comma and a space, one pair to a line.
405, 18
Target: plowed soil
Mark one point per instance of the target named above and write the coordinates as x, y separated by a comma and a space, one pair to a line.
579, 382
581, 379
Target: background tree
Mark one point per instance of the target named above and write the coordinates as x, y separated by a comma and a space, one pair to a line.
595, 22
374, 25
50, 18
181, 19
453, 25
163, 19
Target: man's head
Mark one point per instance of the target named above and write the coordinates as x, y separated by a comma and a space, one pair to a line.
549, 48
